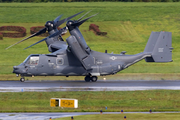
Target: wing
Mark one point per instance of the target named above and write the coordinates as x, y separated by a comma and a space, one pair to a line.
58, 47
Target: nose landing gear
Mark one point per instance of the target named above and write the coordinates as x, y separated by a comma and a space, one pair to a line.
22, 79
91, 78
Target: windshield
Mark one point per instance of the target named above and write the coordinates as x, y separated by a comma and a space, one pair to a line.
32, 60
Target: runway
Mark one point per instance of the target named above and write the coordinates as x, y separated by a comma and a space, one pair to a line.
101, 85
46, 116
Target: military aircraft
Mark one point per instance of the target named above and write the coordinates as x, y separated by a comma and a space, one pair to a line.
75, 58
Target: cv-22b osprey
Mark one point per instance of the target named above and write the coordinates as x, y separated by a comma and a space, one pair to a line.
75, 58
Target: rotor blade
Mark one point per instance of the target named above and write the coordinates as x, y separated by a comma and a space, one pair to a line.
35, 34
56, 19
66, 19
55, 34
82, 21
43, 30
36, 43
84, 15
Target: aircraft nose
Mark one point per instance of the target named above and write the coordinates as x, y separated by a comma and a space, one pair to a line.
15, 67
19, 69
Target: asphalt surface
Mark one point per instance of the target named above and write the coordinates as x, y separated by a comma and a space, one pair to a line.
46, 116
101, 85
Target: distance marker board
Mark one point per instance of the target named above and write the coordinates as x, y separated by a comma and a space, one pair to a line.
64, 102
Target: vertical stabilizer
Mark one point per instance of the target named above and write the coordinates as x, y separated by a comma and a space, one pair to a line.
160, 47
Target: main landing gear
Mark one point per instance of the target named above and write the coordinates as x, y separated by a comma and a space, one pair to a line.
91, 78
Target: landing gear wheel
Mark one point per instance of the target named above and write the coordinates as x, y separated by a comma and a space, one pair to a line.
87, 78
94, 78
22, 79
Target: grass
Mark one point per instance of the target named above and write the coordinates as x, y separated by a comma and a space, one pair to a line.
128, 26
109, 11
156, 100
137, 116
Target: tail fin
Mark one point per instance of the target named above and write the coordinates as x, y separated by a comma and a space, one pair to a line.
159, 45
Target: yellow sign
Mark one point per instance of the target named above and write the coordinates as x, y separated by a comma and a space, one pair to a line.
67, 103
54, 102
63, 102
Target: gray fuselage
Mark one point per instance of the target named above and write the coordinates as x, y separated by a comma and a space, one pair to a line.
67, 64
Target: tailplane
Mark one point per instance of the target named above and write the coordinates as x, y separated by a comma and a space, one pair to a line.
159, 45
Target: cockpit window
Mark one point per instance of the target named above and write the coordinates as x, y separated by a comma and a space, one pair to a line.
32, 60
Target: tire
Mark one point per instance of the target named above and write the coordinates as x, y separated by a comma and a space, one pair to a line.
87, 78
94, 78
22, 79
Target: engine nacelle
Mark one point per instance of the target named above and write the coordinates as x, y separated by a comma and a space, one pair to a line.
79, 52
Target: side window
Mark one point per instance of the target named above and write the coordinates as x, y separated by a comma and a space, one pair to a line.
59, 61
34, 60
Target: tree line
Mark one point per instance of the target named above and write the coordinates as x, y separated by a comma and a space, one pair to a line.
89, 0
